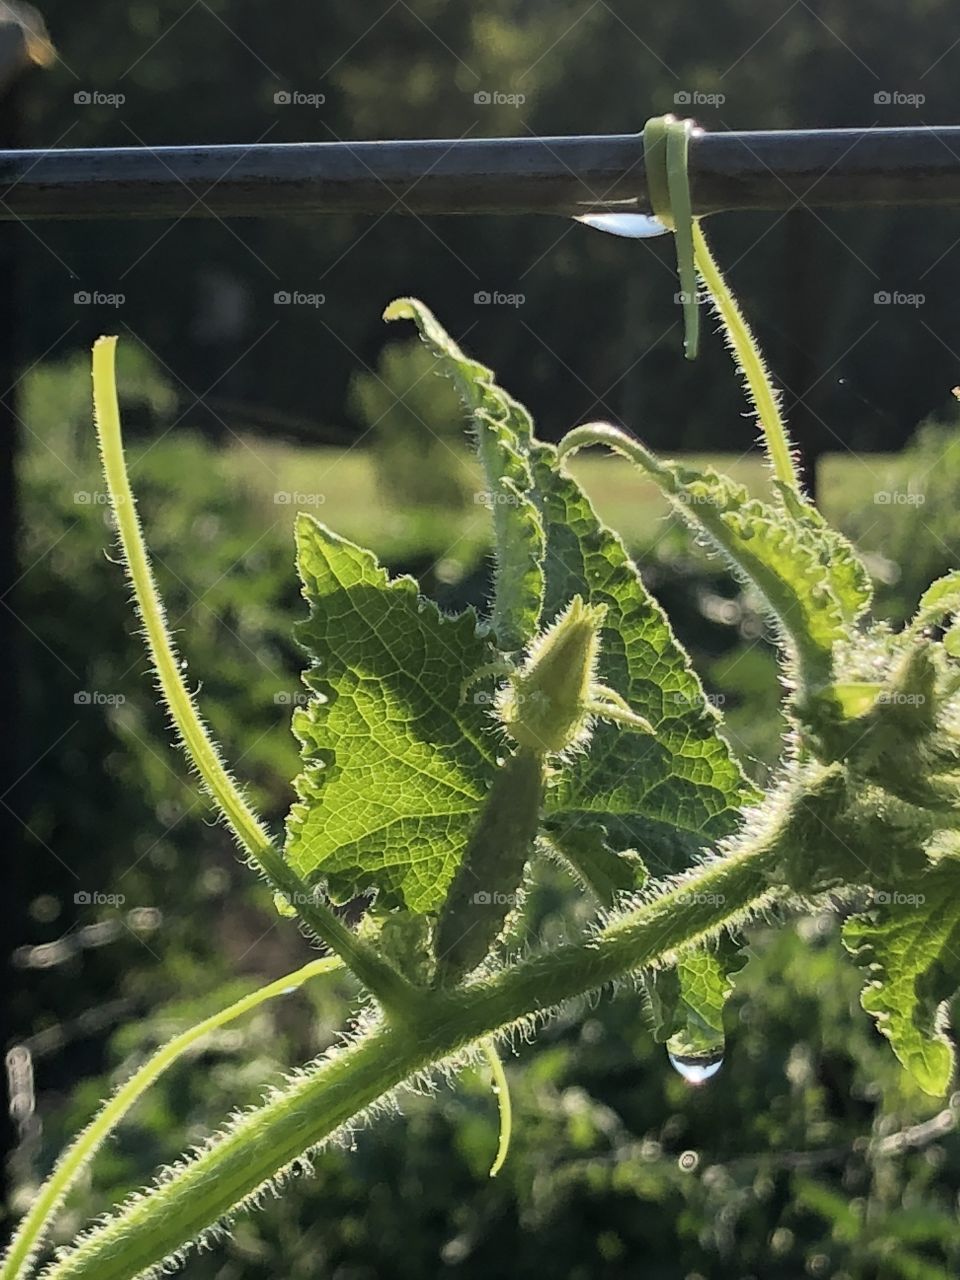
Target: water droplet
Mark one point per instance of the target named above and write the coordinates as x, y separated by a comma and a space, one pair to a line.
696, 1053
696, 1068
635, 226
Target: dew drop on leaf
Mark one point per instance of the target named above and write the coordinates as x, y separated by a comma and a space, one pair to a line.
697, 1061
635, 226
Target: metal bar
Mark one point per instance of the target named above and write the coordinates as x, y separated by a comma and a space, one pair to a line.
764, 170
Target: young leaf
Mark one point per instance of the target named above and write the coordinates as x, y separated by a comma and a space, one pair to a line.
938, 601
503, 429
603, 871
767, 545
665, 796
910, 944
687, 1001
846, 572
395, 765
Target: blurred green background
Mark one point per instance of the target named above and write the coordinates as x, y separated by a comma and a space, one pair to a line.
810, 1153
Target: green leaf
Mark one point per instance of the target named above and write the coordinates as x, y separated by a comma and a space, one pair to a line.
503, 430
783, 556
605, 872
847, 574
910, 943
688, 1000
395, 767
938, 601
665, 796
772, 551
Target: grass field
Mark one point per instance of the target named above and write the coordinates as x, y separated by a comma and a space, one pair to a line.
340, 487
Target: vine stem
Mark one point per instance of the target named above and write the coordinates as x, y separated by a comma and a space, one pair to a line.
37, 1221
262, 1144
374, 973
501, 1087
751, 363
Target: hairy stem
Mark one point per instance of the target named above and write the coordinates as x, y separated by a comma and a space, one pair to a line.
748, 357
373, 972
36, 1224
263, 1142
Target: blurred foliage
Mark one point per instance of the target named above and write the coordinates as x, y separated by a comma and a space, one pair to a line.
598, 333
788, 1163
414, 426
910, 523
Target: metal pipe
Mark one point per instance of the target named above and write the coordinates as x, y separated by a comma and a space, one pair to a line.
571, 175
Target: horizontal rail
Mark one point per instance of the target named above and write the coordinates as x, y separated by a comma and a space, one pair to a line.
569, 175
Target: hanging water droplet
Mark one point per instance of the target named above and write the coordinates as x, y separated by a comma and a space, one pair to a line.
635, 226
696, 1068
697, 1057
